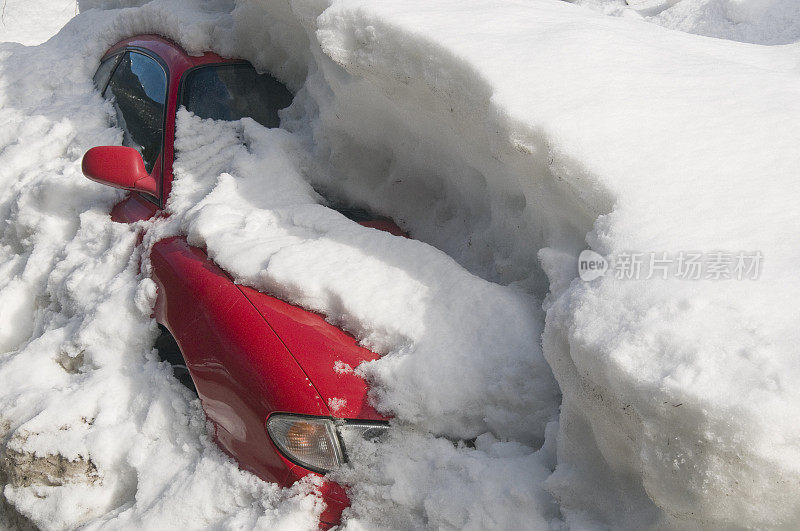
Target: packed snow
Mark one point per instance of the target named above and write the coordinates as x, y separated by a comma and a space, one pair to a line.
523, 396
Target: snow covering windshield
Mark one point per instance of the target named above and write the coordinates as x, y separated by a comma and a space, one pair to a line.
234, 91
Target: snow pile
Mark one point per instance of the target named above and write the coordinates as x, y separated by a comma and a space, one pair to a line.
416, 481
754, 21
510, 146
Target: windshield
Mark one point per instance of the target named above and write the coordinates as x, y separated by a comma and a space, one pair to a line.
233, 91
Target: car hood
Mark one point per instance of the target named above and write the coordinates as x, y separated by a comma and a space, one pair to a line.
326, 354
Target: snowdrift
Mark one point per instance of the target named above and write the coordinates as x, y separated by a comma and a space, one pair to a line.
506, 137
755, 21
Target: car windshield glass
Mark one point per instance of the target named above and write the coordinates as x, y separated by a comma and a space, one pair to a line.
233, 91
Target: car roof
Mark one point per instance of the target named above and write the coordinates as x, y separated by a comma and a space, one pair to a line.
175, 57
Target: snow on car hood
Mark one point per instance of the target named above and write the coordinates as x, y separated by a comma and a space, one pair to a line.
386, 290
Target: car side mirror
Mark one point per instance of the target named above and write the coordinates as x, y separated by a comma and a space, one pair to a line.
120, 167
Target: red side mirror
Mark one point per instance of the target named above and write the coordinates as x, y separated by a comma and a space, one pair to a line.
118, 166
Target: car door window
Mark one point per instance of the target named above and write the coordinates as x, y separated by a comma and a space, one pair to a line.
138, 90
104, 72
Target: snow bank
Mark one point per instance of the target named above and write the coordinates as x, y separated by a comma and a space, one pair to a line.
509, 146
754, 21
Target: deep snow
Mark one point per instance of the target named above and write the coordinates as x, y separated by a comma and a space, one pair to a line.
510, 145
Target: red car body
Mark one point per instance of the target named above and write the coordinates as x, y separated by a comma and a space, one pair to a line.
250, 355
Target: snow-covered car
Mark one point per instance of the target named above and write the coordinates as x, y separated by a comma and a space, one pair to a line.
268, 374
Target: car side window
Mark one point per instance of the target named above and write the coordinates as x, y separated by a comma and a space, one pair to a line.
233, 91
104, 72
138, 90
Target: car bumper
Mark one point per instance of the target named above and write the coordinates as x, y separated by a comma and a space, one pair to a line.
333, 494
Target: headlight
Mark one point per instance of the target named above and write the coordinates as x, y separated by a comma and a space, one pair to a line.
351, 431
318, 443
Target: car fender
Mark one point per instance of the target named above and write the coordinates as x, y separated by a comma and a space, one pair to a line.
233, 354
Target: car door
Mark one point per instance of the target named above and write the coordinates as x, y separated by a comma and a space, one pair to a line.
136, 83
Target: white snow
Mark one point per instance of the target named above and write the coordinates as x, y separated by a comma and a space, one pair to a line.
754, 21
32, 23
341, 367
505, 136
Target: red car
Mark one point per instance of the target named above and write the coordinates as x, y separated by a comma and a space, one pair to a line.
269, 375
